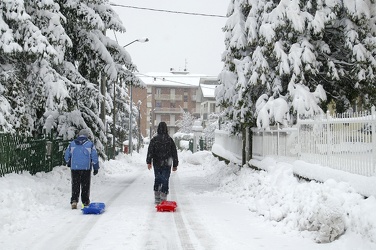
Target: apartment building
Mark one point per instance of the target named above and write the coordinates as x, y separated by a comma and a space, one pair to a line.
206, 95
168, 95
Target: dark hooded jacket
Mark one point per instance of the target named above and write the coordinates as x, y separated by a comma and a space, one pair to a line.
162, 149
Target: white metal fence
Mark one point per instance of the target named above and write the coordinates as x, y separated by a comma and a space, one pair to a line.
346, 142
228, 146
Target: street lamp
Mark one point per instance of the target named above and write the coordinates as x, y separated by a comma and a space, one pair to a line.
152, 125
141, 40
139, 126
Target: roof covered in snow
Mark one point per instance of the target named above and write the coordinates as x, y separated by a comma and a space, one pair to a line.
208, 90
173, 78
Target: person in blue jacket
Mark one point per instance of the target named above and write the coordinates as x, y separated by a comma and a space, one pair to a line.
81, 156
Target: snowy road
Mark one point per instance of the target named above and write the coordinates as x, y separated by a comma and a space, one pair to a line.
206, 218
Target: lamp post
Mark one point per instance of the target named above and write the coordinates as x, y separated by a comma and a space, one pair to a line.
114, 122
139, 126
142, 40
151, 123
139, 103
130, 120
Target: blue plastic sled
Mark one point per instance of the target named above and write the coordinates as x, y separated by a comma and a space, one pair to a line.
94, 208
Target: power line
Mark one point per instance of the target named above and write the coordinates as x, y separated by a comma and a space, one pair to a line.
164, 79
168, 11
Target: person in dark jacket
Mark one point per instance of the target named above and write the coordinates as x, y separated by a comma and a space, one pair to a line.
81, 156
163, 155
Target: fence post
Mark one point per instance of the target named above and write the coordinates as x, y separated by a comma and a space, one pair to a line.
373, 125
277, 139
263, 142
328, 140
299, 147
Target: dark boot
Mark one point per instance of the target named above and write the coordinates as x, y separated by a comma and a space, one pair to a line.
163, 196
74, 205
157, 196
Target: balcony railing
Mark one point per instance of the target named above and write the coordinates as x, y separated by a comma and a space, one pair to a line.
168, 123
167, 110
168, 97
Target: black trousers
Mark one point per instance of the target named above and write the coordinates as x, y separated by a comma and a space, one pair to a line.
81, 182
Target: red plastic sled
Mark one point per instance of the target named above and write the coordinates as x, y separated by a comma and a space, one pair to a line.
166, 206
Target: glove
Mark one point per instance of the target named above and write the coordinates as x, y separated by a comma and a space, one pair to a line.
95, 171
68, 164
174, 169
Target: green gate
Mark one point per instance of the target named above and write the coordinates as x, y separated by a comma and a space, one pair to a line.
19, 153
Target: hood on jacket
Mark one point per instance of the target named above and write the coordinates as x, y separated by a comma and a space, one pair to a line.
80, 140
162, 128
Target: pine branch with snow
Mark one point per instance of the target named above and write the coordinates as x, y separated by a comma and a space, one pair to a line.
308, 53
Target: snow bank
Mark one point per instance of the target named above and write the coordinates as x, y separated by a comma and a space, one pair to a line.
318, 211
24, 198
323, 211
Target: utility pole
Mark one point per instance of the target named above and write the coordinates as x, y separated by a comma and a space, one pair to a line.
130, 121
103, 82
114, 122
139, 126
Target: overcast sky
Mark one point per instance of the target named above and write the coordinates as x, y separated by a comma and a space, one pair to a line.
176, 40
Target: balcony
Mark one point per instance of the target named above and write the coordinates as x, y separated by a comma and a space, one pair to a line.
168, 123
168, 97
167, 110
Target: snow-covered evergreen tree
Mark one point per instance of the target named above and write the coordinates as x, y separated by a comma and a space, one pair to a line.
230, 92
185, 122
294, 50
93, 56
53, 57
212, 125
47, 88
28, 63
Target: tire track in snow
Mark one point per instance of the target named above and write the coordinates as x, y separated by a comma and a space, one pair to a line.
198, 230
76, 241
76, 228
183, 221
160, 233
179, 222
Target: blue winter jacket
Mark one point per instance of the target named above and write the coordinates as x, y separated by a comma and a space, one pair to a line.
81, 154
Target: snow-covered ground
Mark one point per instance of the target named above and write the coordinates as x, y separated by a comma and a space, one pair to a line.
219, 207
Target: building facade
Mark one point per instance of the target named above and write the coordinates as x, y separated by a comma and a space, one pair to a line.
167, 96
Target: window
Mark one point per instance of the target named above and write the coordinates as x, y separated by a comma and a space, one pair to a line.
158, 91
212, 107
